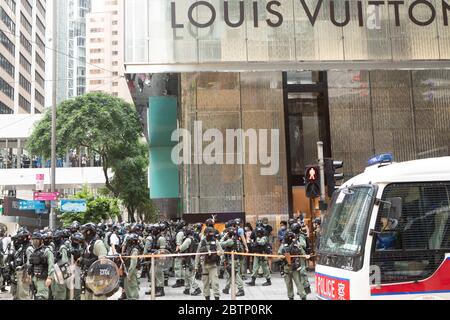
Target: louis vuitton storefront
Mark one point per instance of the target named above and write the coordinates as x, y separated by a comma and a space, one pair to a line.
365, 77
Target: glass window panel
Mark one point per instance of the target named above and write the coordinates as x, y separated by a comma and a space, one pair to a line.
410, 41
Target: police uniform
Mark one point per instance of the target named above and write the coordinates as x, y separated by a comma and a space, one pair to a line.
210, 264
153, 243
189, 246
95, 250
261, 244
303, 273
131, 284
292, 271
178, 262
59, 291
231, 244
76, 251
41, 268
21, 290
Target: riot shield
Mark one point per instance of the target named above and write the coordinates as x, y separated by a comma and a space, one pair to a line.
62, 272
163, 263
103, 277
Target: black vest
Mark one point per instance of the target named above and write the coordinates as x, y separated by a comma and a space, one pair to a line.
39, 263
88, 256
212, 258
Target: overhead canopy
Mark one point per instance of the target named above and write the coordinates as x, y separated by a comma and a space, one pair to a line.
17, 126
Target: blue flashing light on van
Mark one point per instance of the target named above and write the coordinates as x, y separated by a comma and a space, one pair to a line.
380, 159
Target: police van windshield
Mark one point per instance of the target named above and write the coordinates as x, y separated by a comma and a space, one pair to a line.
345, 227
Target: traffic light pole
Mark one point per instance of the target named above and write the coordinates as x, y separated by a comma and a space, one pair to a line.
322, 177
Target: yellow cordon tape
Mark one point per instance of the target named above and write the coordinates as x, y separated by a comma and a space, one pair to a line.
180, 255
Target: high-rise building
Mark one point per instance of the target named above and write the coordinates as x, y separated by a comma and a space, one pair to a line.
71, 47
22, 56
104, 49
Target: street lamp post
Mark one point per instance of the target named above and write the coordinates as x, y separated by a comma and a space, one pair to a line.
53, 155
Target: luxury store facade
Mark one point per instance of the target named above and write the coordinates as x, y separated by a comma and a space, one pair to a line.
365, 77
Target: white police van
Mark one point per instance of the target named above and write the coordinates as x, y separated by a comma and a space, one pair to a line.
387, 233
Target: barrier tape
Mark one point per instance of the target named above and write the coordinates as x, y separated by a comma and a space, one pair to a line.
180, 255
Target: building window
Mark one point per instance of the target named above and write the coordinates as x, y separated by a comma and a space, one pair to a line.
11, 4
39, 98
4, 109
115, 63
40, 80
6, 89
25, 23
40, 43
25, 63
115, 84
27, 7
25, 43
8, 44
40, 61
24, 104
24, 83
7, 20
6, 65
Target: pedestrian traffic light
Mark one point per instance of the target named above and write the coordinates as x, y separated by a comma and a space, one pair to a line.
312, 181
331, 177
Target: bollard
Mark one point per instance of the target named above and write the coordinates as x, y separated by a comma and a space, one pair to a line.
153, 278
233, 278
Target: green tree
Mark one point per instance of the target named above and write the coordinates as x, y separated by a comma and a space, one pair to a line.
104, 124
99, 208
130, 181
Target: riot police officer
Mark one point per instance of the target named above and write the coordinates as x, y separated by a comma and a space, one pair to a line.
190, 245
95, 250
261, 246
231, 242
40, 267
59, 291
131, 283
209, 262
23, 250
291, 267
76, 251
154, 244
178, 262
302, 240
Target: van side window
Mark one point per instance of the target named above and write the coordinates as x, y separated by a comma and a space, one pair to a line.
413, 227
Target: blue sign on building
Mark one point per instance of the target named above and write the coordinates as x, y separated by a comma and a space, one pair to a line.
78, 205
26, 205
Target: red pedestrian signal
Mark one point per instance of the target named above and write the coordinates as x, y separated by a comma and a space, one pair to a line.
312, 181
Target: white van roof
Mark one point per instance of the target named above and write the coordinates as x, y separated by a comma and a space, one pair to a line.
433, 169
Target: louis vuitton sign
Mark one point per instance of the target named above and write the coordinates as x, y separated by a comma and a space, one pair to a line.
339, 12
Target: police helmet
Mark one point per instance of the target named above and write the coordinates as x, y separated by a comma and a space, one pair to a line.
180, 225
189, 232
289, 237
209, 222
198, 227
260, 231
89, 229
59, 235
132, 239
318, 221
296, 228
77, 237
238, 221
291, 221
162, 226
37, 235
75, 226
259, 223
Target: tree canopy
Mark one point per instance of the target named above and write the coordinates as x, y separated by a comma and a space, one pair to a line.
99, 209
104, 124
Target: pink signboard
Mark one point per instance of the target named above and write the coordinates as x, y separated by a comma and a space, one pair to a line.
39, 177
46, 196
